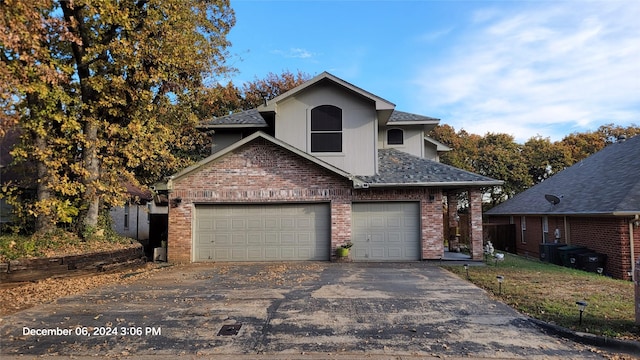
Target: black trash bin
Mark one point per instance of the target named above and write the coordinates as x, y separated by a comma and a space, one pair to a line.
566, 252
591, 262
574, 257
549, 253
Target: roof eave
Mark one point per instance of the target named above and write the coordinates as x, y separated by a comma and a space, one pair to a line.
439, 184
381, 104
231, 126
565, 213
417, 122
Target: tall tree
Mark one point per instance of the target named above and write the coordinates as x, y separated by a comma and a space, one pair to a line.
545, 158
135, 64
256, 92
500, 157
220, 100
34, 89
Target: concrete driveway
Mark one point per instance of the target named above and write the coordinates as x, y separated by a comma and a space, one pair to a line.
285, 310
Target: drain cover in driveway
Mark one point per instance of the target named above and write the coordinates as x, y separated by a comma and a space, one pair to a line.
228, 330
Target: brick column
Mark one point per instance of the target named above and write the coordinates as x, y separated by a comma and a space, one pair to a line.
475, 226
340, 223
179, 233
432, 227
452, 211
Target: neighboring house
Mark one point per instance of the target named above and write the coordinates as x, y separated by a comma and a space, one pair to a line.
318, 166
599, 207
132, 219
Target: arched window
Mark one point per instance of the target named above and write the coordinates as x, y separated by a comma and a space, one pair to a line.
326, 129
395, 137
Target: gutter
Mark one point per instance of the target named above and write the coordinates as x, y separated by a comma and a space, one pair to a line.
438, 184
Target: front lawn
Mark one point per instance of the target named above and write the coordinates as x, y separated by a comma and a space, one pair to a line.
549, 292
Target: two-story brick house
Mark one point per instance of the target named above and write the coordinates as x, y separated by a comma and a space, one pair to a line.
320, 165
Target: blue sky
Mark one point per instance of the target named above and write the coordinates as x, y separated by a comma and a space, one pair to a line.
524, 68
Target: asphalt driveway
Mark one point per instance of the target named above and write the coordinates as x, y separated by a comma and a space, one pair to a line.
285, 310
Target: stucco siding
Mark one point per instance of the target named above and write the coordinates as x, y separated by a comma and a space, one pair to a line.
358, 156
413, 140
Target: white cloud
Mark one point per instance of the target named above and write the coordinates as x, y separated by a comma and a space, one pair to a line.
548, 70
298, 53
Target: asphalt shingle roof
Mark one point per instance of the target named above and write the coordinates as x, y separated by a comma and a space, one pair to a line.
253, 117
246, 117
397, 167
401, 116
607, 182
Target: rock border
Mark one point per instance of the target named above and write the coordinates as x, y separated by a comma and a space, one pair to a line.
21, 270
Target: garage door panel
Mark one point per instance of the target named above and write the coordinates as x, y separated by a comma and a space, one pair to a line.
262, 232
386, 231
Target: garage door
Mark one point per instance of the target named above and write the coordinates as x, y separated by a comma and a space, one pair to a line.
262, 232
388, 231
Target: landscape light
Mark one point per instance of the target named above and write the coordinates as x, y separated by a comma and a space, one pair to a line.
500, 280
466, 268
581, 306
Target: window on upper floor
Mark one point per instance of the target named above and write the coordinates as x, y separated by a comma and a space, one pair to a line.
395, 137
326, 129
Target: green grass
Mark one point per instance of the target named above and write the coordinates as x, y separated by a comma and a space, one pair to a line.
549, 292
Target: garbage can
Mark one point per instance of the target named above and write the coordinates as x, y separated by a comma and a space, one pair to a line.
549, 253
565, 253
574, 258
591, 261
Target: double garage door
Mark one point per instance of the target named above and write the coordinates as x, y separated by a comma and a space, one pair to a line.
381, 231
262, 232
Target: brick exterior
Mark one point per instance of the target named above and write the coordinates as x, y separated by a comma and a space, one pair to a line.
262, 172
475, 223
604, 234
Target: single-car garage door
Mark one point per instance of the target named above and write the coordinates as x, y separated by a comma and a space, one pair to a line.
386, 231
262, 232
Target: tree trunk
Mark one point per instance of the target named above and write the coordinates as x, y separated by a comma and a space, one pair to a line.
91, 163
45, 220
92, 166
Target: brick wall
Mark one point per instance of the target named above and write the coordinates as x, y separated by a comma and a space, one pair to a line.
261, 172
606, 235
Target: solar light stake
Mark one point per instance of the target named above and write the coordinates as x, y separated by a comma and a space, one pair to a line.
581, 306
500, 280
466, 268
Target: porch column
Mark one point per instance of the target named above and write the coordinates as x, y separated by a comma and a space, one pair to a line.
452, 211
475, 219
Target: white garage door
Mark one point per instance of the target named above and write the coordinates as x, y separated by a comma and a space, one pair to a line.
262, 232
386, 231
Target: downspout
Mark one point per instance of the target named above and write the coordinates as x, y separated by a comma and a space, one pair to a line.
138, 222
631, 245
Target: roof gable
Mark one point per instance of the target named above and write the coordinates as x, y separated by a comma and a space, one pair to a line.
607, 182
251, 138
380, 103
